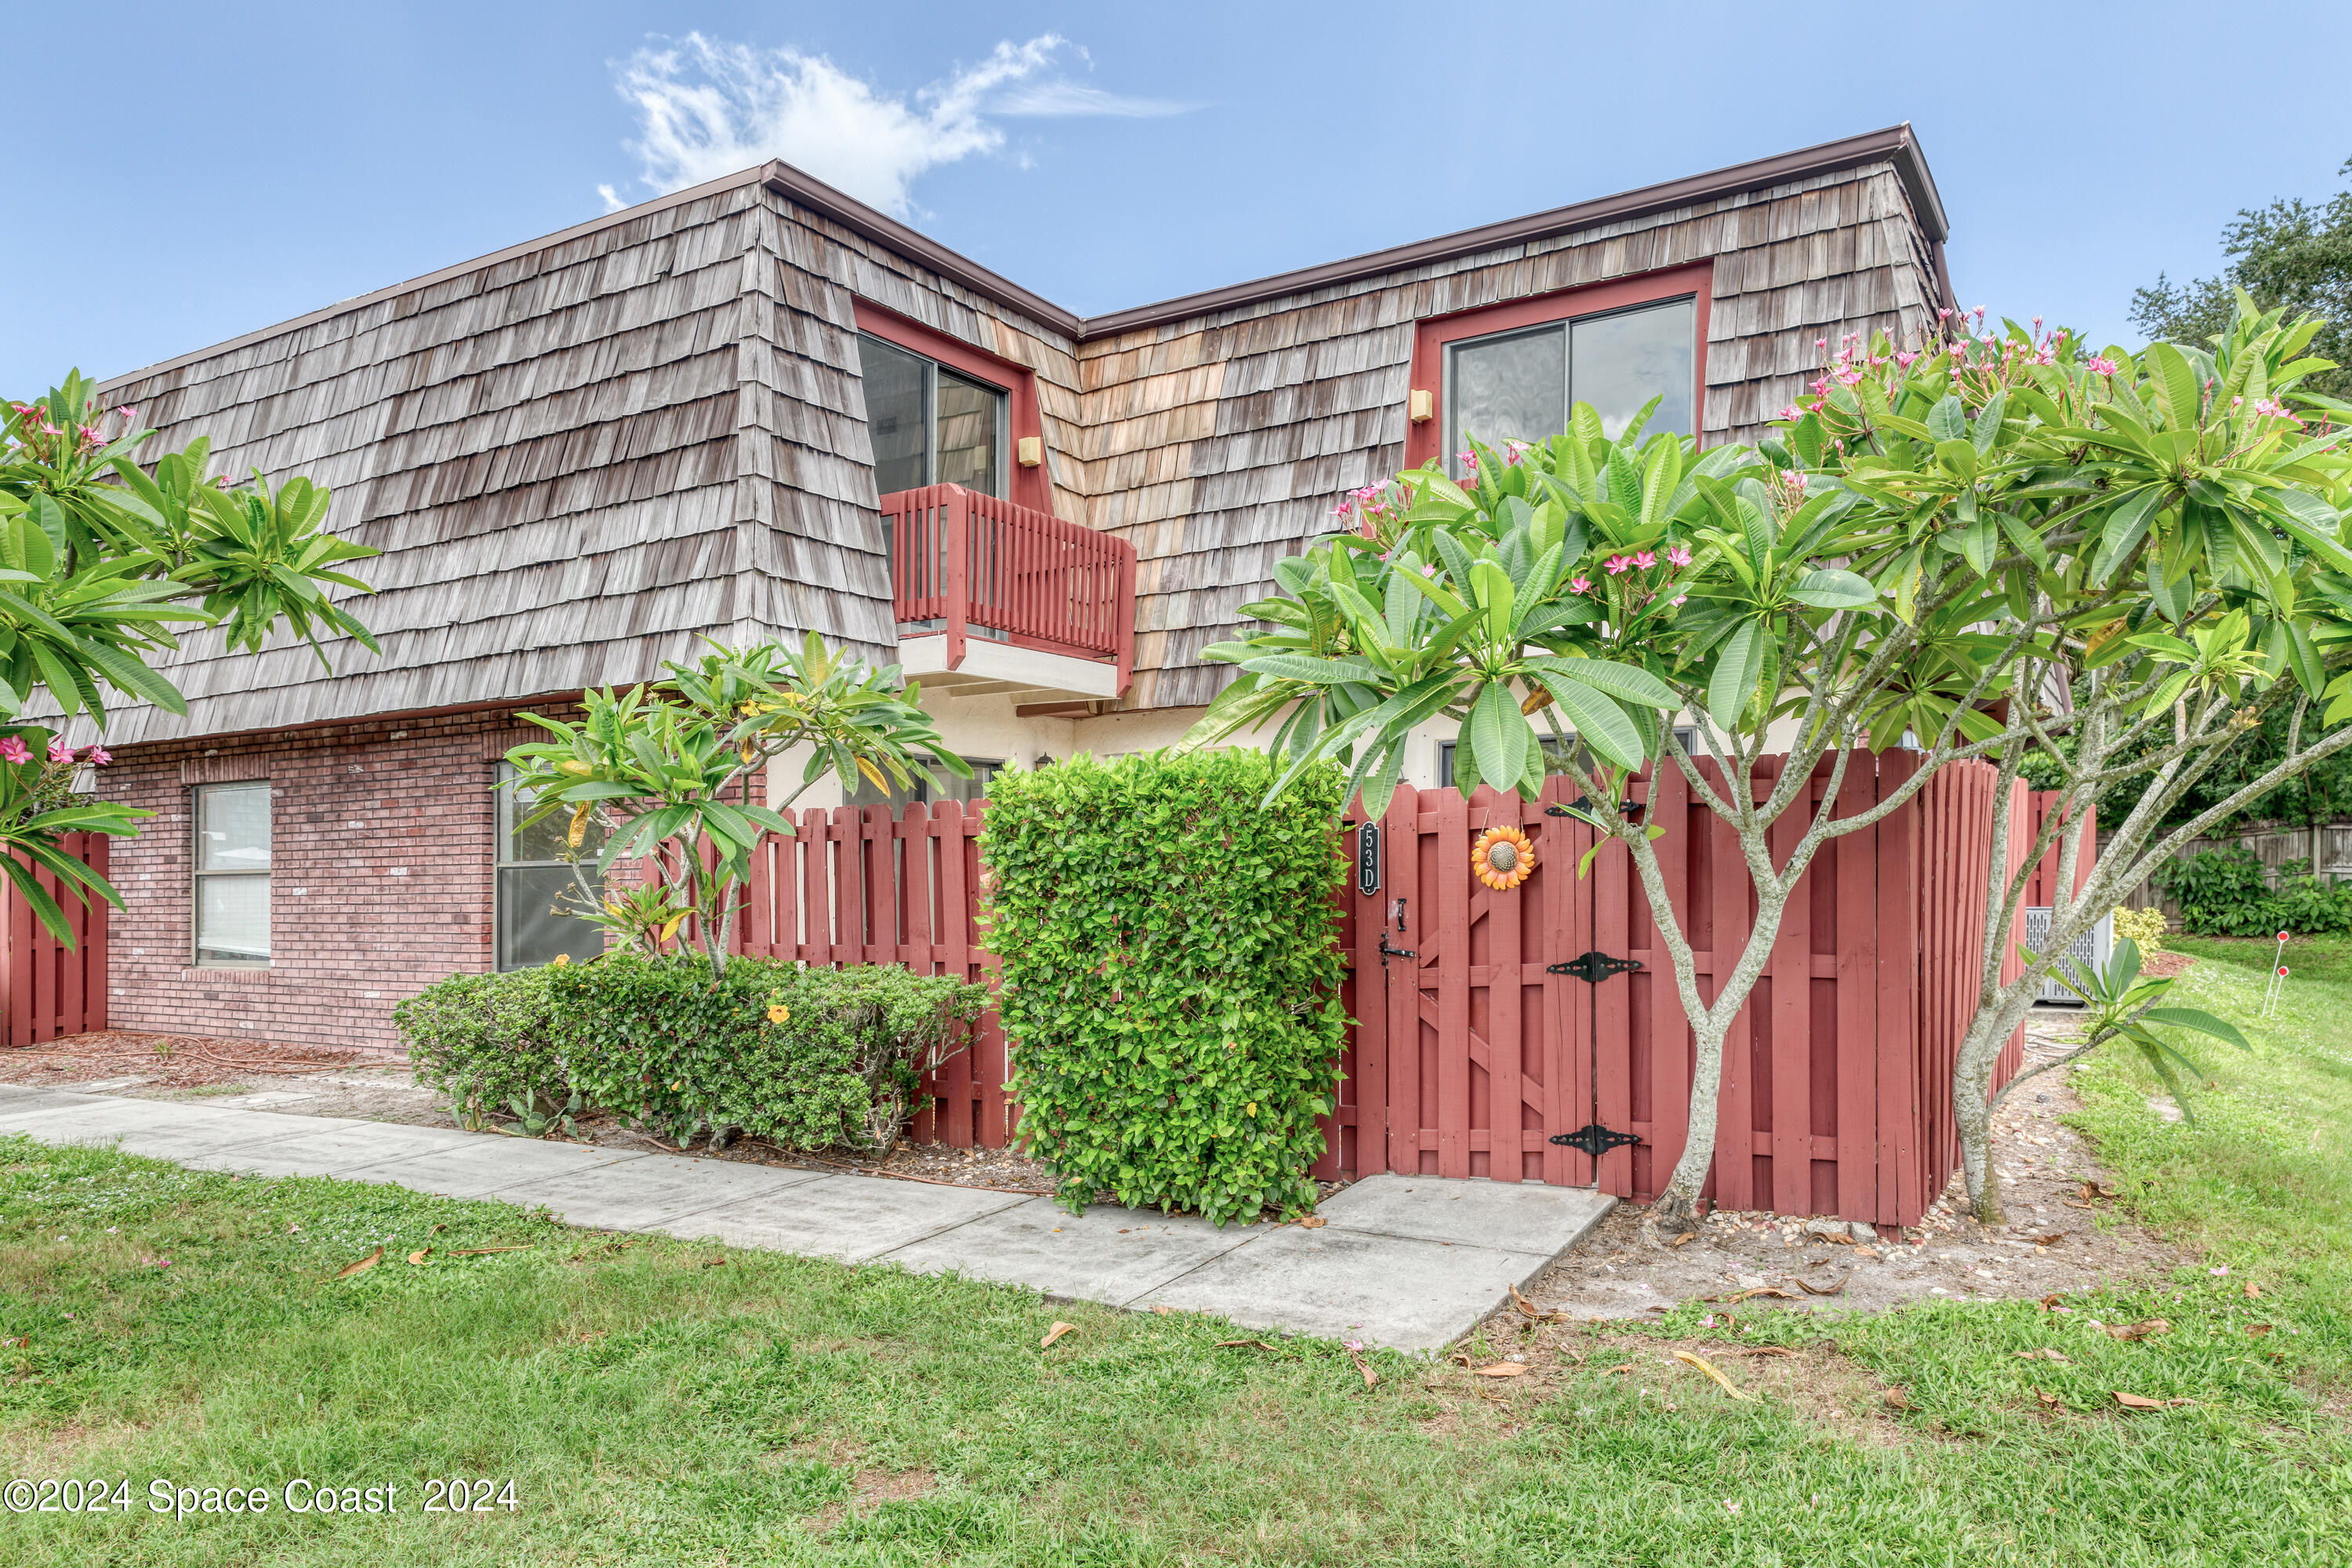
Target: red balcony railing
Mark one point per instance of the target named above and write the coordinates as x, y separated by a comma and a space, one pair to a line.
965, 564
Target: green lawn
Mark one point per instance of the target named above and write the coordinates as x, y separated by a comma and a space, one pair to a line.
654, 1401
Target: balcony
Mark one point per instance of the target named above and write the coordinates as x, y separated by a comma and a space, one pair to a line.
986, 590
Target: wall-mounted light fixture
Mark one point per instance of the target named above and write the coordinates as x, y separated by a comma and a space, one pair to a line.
1421, 407
1031, 450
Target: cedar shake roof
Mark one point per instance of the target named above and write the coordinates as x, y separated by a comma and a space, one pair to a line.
583, 455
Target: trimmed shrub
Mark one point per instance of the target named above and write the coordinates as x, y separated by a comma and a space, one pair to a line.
1170, 974
805, 1057
486, 1041
2145, 929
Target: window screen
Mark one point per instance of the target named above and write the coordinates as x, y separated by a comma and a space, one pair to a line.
537, 887
1521, 384
231, 876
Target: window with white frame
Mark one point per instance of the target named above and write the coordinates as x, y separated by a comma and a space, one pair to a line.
931, 425
1520, 385
231, 876
537, 888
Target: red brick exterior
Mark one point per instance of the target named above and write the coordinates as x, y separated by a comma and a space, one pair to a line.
381, 865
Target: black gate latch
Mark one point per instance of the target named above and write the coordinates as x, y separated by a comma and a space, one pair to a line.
1629, 806
1594, 967
1388, 952
1594, 1138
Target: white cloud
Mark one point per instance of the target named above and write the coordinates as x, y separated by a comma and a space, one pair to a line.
708, 108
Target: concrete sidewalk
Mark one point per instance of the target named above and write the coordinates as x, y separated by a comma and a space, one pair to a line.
1407, 1262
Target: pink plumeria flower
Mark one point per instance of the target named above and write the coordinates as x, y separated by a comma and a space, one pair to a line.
2100, 365
1645, 560
1678, 598
1616, 565
2217, 1272
99, 756
60, 752
14, 750
1340, 510
1580, 584
1677, 555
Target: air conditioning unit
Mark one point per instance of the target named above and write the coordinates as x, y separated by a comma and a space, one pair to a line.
2091, 950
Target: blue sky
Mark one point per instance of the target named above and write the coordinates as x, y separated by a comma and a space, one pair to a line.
183, 174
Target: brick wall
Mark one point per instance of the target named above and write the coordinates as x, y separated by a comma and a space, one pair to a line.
381, 872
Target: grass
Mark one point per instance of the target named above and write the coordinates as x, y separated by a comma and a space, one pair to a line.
659, 1401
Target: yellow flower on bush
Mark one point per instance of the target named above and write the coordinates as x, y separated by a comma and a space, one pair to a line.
779, 1014
560, 957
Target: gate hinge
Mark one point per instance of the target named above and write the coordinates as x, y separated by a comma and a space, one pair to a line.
1594, 1138
1629, 806
1594, 967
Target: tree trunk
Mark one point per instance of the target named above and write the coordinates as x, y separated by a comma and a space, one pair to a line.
1676, 1209
1972, 1089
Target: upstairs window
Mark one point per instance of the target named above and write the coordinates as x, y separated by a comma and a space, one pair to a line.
931, 425
231, 876
1520, 384
537, 890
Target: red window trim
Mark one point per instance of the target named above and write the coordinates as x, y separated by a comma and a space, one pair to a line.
1423, 442
1023, 487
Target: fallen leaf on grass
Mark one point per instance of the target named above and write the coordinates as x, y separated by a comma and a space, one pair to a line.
362, 1266
2258, 1329
1221, 1344
1529, 1310
1502, 1369
1687, 1235
1689, 1359
1055, 1332
1895, 1399
2042, 1355
2046, 1397
1765, 1350
2139, 1330
1758, 1290
2050, 1303
1371, 1378
714, 1262
1313, 1222
2137, 1402
419, 1256
2253, 1291
480, 1251
1163, 1311
1829, 1289
439, 1228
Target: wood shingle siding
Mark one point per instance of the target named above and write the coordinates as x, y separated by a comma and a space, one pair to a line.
583, 455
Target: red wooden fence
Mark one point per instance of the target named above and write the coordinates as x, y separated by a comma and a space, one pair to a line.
857, 886
1471, 1053
46, 989
1470, 1056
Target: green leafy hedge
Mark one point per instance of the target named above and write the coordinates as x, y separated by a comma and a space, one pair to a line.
2223, 893
1170, 974
805, 1057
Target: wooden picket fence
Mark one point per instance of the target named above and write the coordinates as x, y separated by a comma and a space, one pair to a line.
857, 885
47, 989
1473, 1053
1835, 1096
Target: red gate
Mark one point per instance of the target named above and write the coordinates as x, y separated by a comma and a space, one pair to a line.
1491, 1023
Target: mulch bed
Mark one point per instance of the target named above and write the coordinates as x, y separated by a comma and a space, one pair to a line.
166, 1061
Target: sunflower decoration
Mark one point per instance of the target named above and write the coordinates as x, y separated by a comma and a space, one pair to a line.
1503, 858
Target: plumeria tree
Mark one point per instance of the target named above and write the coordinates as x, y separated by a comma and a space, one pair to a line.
666, 774
1598, 586
101, 559
2177, 553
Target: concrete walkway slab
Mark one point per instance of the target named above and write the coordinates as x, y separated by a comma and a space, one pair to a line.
483, 1164
331, 1148
1389, 1290
852, 1218
1408, 1262
647, 1194
1109, 1254
1516, 1216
